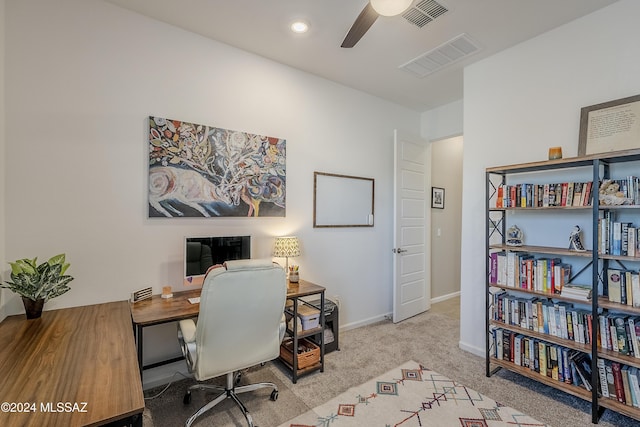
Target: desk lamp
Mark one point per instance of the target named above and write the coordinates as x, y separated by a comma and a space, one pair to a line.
286, 247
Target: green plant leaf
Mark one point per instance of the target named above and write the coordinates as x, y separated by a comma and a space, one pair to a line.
27, 265
44, 281
57, 259
15, 268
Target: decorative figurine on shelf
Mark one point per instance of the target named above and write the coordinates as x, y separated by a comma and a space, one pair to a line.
514, 236
575, 240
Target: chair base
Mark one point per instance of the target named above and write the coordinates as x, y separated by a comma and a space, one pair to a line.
230, 391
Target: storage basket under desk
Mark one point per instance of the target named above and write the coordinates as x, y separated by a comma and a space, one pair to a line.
308, 352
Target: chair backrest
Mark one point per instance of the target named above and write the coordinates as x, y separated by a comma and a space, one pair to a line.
241, 308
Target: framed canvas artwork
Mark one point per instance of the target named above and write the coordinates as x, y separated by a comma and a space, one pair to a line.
203, 171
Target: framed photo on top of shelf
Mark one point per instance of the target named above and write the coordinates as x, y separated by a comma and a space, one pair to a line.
610, 126
437, 197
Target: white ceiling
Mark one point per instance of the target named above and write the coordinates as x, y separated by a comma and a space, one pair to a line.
262, 27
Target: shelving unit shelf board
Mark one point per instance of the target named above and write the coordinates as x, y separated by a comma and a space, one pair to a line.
580, 392
541, 294
603, 302
549, 250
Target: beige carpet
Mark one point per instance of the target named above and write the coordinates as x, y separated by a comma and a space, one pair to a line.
368, 352
412, 395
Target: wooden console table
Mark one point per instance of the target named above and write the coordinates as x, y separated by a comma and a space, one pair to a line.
71, 367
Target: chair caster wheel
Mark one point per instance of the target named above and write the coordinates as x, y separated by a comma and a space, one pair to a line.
187, 397
274, 395
237, 380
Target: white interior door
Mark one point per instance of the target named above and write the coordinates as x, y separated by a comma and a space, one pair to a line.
412, 235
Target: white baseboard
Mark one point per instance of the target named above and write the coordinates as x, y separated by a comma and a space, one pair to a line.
165, 374
444, 297
366, 322
472, 349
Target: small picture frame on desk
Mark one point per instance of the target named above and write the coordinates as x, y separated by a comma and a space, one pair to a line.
437, 197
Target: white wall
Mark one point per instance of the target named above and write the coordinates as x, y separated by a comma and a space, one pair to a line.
2, 160
82, 77
446, 172
443, 122
526, 99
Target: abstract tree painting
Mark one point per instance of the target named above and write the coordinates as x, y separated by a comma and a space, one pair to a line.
204, 171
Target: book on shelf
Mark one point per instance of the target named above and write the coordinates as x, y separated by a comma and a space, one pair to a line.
602, 376
578, 198
624, 372
611, 386
634, 385
614, 285
581, 362
575, 291
620, 323
617, 380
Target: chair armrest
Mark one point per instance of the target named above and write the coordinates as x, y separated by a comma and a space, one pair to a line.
283, 327
188, 329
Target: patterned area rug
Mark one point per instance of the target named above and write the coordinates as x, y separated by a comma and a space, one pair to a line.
412, 396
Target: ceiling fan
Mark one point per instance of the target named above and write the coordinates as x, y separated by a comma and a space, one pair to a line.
368, 16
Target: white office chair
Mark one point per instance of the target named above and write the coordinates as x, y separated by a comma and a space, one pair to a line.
241, 324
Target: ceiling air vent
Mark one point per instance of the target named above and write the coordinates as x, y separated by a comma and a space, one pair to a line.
424, 12
442, 56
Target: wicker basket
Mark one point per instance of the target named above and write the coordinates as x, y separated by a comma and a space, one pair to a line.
308, 352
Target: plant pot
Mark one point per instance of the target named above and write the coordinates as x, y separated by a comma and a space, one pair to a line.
33, 308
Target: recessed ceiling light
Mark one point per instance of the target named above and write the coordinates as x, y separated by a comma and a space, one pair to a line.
299, 27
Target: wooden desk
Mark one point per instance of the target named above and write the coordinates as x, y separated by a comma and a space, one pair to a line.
157, 310
70, 357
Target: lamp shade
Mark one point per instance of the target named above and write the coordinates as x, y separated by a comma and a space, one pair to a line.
286, 247
390, 7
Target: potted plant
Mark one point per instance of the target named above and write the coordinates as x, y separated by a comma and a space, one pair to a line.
37, 284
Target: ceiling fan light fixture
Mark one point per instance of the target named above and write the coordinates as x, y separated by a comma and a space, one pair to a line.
390, 7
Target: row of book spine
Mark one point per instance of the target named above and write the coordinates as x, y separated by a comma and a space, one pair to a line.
524, 271
620, 382
541, 315
623, 286
544, 195
615, 380
550, 360
620, 333
616, 237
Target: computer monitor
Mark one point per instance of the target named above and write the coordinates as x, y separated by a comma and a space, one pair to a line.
200, 253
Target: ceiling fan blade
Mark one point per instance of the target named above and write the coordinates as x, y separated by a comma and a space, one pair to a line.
363, 22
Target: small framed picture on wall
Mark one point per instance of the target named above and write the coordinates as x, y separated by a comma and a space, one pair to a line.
437, 197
